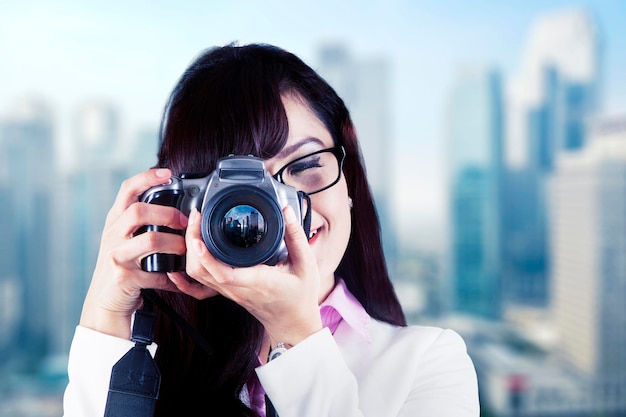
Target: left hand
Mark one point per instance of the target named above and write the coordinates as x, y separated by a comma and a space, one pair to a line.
284, 298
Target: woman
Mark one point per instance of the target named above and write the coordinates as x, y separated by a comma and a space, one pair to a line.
330, 307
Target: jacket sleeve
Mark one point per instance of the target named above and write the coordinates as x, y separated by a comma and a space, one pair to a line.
446, 383
92, 356
312, 379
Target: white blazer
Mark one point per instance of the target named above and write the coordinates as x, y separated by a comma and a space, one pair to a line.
401, 372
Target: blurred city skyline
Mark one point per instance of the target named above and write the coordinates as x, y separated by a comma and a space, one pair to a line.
495, 143
130, 55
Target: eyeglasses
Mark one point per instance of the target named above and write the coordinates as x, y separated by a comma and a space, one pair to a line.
314, 172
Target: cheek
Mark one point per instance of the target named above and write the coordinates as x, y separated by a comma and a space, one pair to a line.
344, 222
336, 210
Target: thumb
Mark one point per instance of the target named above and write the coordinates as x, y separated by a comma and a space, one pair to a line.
296, 241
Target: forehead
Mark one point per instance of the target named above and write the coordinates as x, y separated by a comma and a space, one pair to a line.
304, 125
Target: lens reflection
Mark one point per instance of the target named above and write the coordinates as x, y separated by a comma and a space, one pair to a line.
243, 226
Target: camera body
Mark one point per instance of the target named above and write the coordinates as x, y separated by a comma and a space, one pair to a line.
241, 208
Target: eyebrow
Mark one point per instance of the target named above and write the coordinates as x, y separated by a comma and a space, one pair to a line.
292, 148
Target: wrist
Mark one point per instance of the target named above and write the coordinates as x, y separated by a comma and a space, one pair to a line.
107, 323
291, 335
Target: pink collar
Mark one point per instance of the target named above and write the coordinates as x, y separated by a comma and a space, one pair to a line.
342, 305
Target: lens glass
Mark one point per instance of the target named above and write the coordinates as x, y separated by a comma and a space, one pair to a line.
243, 226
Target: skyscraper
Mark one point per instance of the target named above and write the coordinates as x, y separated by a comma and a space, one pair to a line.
84, 196
549, 102
561, 78
10, 284
588, 240
27, 145
475, 167
364, 86
97, 131
587, 195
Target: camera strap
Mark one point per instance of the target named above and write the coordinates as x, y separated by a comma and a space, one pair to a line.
270, 411
135, 378
306, 221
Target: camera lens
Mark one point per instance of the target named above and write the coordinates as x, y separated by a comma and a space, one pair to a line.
243, 226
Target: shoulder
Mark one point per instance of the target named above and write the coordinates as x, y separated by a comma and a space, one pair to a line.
419, 338
409, 346
428, 366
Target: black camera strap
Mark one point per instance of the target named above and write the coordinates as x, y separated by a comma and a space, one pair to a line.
306, 220
270, 411
135, 378
153, 297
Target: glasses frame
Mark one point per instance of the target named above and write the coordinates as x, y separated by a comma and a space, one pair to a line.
338, 151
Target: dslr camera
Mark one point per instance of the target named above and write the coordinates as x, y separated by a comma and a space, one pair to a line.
241, 208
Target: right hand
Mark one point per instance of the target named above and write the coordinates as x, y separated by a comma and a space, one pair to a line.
115, 290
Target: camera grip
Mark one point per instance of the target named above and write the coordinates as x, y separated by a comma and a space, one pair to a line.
162, 262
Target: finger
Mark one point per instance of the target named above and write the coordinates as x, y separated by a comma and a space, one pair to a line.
195, 246
300, 256
131, 281
193, 234
149, 243
202, 265
133, 187
159, 282
141, 214
191, 287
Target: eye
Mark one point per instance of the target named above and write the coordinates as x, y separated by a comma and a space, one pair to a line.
304, 166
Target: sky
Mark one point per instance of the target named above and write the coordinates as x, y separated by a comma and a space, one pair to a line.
68, 52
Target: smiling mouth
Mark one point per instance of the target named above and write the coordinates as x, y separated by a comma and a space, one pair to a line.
313, 235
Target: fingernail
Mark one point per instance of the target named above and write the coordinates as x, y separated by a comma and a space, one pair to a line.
193, 216
162, 172
290, 216
172, 278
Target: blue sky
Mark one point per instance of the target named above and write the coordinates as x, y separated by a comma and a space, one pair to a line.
136, 51
133, 53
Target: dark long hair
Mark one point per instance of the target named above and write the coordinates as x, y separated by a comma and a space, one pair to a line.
229, 101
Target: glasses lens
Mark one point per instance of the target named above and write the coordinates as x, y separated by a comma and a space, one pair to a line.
243, 226
312, 173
